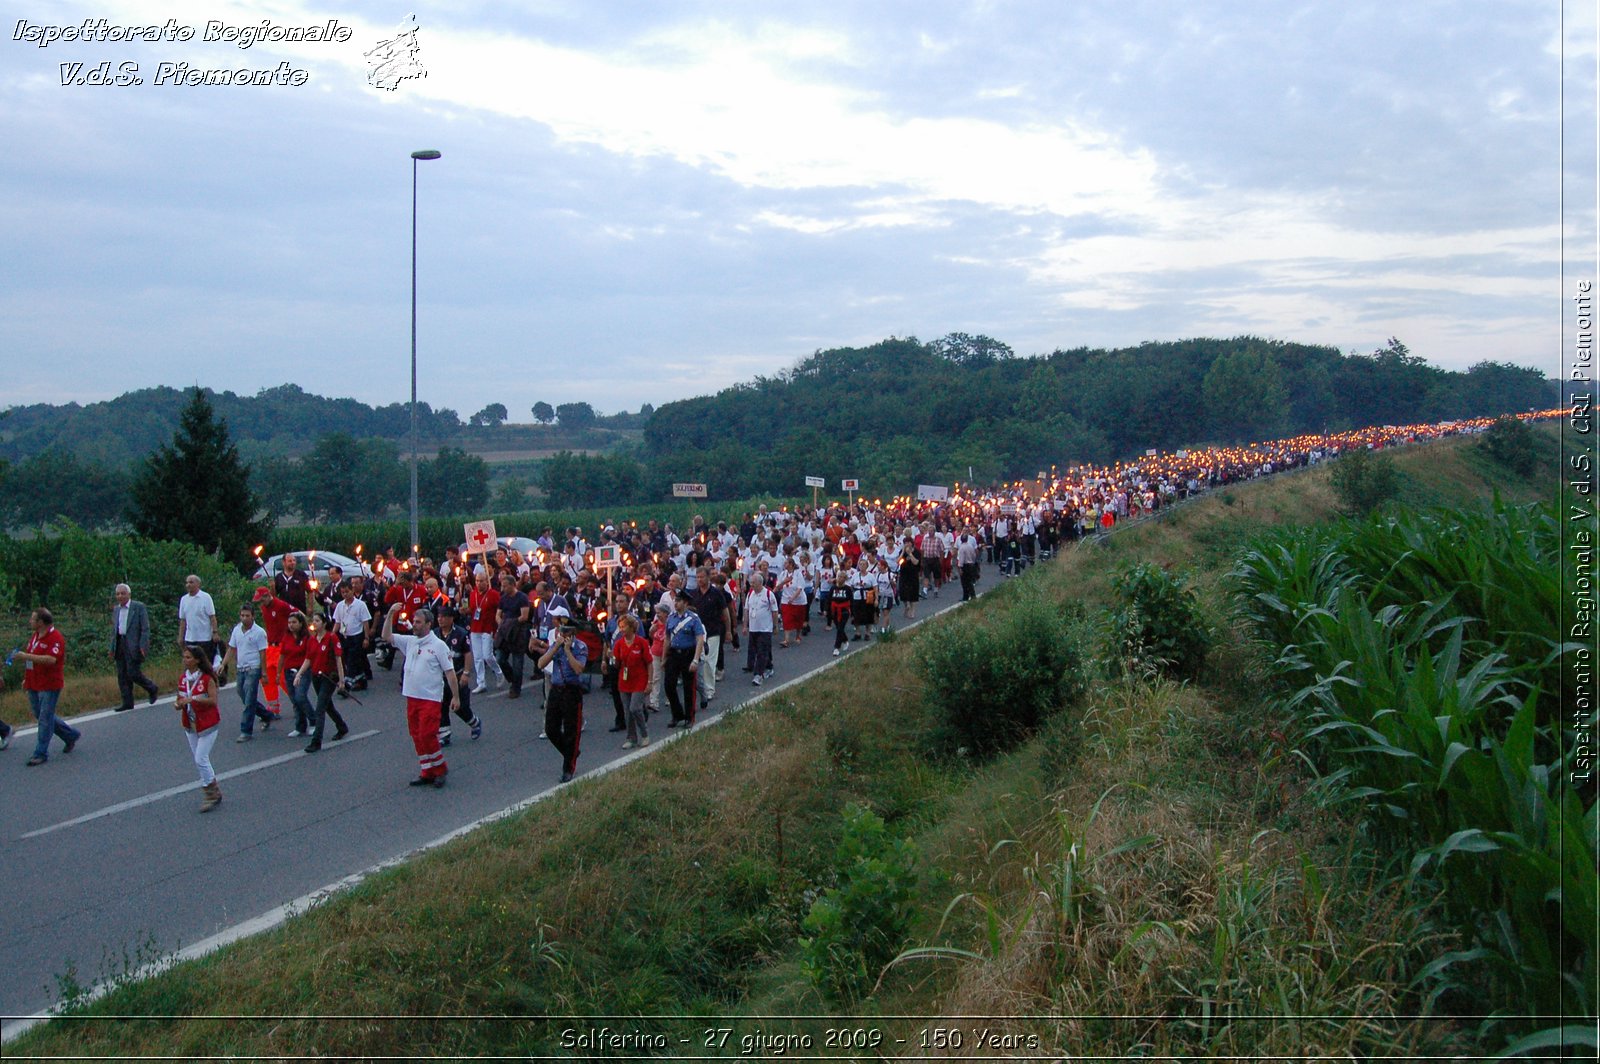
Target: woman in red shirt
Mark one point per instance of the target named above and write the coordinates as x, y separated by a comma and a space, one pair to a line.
631, 651
325, 663
297, 678
197, 712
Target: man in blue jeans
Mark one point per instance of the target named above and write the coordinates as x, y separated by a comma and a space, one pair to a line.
247, 646
44, 663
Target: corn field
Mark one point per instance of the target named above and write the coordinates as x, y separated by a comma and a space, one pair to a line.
1423, 666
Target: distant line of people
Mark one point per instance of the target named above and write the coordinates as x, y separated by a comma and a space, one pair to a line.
646, 614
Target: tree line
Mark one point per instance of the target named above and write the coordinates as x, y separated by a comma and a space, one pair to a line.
965, 408
892, 414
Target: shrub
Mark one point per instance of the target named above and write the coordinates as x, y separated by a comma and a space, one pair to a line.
1157, 628
858, 926
1510, 443
990, 685
1364, 481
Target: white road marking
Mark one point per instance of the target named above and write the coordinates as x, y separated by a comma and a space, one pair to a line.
158, 796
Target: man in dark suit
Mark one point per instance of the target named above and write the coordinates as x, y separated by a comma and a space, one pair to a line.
130, 643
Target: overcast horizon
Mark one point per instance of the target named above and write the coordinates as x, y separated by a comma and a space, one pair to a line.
641, 204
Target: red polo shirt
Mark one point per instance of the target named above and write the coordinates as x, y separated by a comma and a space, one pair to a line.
274, 618
40, 677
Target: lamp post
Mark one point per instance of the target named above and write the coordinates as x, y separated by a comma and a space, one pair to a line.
416, 156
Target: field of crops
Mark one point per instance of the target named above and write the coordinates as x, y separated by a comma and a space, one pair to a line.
1422, 657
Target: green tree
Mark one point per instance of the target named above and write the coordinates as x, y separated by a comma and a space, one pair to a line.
453, 482
344, 479
575, 415
543, 412
971, 351
1244, 395
1364, 481
491, 416
1510, 442
510, 496
197, 489
56, 483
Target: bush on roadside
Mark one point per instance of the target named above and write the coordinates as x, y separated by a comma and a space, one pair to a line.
1156, 627
859, 925
1510, 443
1364, 481
990, 684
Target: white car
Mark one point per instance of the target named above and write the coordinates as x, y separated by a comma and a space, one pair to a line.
314, 562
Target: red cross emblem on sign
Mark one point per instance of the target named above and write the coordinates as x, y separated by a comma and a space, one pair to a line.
480, 537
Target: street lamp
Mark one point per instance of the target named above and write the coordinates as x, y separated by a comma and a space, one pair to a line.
416, 156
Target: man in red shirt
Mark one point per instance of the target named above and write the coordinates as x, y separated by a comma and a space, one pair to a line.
274, 613
483, 609
45, 665
409, 596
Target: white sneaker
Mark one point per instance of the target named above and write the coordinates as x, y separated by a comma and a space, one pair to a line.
757, 681
835, 651
295, 734
628, 746
480, 689
645, 741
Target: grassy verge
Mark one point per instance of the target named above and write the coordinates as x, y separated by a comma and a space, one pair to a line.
1151, 873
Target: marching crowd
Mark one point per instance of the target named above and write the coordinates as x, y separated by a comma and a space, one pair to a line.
651, 616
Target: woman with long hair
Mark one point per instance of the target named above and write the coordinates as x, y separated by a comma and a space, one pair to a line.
325, 662
197, 712
292, 658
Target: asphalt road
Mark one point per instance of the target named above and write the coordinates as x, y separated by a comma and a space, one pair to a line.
106, 863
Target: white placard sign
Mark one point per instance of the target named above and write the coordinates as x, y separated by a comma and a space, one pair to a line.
480, 537
816, 482
849, 485
689, 491
932, 493
608, 556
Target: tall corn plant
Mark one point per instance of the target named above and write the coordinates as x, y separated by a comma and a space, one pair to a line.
1417, 651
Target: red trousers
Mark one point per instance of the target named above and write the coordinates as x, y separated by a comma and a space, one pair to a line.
422, 720
269, 677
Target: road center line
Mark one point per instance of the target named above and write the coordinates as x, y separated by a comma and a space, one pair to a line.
134, 803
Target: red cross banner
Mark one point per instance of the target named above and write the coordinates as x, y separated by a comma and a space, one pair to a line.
480, 537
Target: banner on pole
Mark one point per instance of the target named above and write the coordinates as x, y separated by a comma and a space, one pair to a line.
480, 537
816, 482
1008, 507
608, 556
850, 485
932, 493
689, 491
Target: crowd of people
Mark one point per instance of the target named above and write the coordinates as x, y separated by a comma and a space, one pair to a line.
649, 617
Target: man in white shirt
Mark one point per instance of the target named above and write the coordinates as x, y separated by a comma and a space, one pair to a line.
197, 619
760, 616
967, 559
248, 647
429, 669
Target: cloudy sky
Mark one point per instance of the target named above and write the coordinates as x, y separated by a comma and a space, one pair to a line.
647, 200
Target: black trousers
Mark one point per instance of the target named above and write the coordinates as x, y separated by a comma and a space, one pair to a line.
356, 665
511, 657
464, 710
563, 723
677, 673
969, 581
130, 672
323, 686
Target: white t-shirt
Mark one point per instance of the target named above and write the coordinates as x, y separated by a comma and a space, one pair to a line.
196, 611
427, 660
351, 617
248, 645
759, 609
